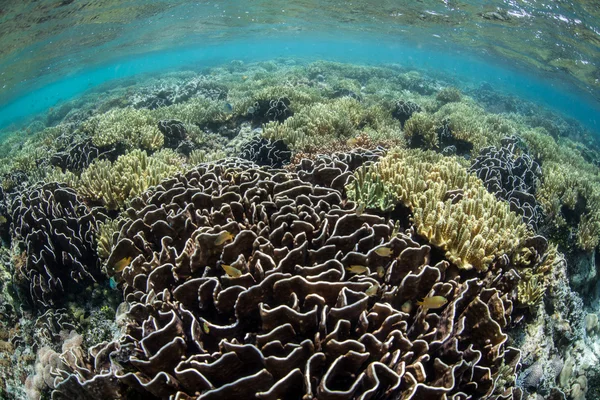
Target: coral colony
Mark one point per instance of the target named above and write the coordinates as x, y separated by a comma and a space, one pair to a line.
298, 231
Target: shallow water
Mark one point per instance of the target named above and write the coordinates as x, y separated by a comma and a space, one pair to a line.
546, 52
299, 200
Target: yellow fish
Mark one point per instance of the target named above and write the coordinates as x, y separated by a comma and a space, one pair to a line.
223, 237
372, 291
121, 264
380, 272
244, 77
205, 327
433, 302
357, 269
352, 142
384, 251
2, 219
231, 271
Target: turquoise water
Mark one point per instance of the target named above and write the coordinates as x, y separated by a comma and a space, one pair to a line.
464, 68
544, 52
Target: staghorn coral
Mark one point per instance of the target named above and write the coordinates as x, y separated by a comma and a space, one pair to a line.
55, 232
292, 321
113, 184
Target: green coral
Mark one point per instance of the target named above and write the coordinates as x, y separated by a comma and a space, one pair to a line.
368, 190
135, 128
321, 124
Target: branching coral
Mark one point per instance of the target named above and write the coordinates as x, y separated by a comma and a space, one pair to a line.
452, 209
113, 184
129, 126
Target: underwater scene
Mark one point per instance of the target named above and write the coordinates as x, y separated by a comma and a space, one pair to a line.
303, 200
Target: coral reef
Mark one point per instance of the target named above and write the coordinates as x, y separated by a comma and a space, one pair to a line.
329, 262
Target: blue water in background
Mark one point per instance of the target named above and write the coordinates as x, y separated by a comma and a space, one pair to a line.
557, 95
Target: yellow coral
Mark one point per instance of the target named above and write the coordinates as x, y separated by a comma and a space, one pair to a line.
452, 208
115, 183
132, 127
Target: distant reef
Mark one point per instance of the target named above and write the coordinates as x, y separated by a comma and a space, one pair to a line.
281, 230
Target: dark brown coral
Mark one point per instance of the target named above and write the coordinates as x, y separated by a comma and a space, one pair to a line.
55, 230
295, 318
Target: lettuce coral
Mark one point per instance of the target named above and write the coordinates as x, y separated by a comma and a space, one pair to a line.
278, 310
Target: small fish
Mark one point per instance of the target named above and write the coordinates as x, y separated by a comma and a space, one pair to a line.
372, 291
228, 108
244, 77
3, 219
433, 302
383, 251
357, 269
112, 283
352, 142
360, 209
380, 271
223, 237
231, 271
205, 327
121, 264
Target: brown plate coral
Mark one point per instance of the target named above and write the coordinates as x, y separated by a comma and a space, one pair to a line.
281, 310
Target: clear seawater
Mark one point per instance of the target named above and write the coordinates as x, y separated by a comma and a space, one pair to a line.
544, 51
